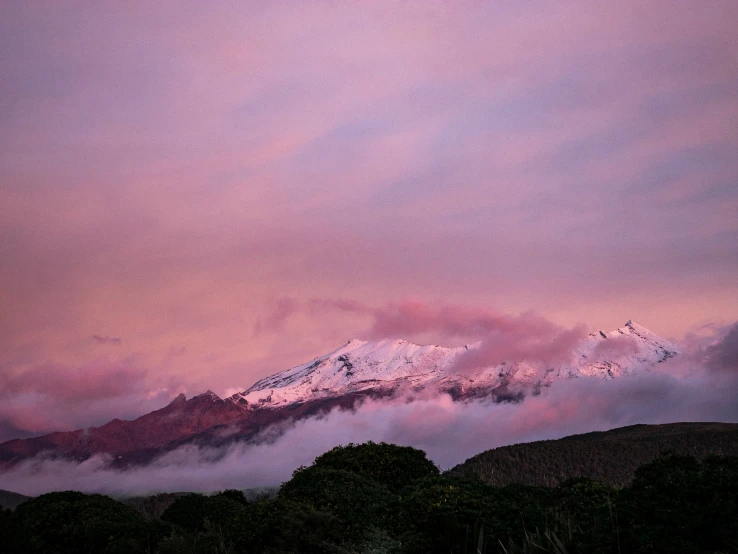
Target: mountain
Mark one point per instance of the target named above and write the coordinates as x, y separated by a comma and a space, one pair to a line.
389, 365
11, 500
148, 433
356, 370
610, 456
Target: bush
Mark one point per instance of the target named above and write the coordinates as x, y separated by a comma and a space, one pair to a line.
72, 522
187, 511
584, 514
445, 514
354, 499
677, 504
391, 465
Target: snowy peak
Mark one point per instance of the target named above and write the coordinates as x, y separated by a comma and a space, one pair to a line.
355, 366
385, 365
624, 351
358, 368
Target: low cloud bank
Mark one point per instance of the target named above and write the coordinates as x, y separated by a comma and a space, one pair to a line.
53, 396
723, 354
699, 385
448, 431
500, 337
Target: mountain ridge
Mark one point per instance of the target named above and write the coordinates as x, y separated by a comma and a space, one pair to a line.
358, 365
342, 378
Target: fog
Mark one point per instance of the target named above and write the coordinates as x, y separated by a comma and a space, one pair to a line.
448, 431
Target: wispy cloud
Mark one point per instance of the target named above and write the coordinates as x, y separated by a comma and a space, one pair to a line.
107, 340
55, 397
449, 431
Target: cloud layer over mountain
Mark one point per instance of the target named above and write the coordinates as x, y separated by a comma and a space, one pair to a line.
449, 431
166, 172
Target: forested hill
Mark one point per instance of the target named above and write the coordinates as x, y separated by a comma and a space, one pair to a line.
10, 500
610, 456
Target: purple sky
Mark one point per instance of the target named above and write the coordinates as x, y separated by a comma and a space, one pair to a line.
176, 178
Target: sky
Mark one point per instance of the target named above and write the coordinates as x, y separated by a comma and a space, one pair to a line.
192, 193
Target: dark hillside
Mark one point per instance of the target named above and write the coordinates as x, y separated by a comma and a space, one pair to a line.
10, 500
610, 456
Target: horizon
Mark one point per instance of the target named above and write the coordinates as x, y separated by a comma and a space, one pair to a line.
166, 401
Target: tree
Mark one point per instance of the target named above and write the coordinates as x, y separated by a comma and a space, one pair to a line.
356, 500
677, 504
72, 522
391, 465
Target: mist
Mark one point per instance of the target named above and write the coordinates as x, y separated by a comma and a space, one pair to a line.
448, 431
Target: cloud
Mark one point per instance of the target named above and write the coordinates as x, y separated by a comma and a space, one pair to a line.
420, 148
55, 397
279, 312
107, 340
614, 347
526, 338
391, 150
449, 431
500, 337
723, 355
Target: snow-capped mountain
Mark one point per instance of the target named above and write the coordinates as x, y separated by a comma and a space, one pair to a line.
387, 365
341, 378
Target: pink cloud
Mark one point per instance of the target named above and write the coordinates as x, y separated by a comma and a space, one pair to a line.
723, 353
449, 431
614, 347
165, 171
107, 340
55, 397
503, 338
274, 321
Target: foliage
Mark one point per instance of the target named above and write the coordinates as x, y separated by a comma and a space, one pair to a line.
391, 465
674, 504
582, 513
5, 516
677, 504
71, 522
152, 507
610, 457
354, 498
235, 495
188, 512
445, 514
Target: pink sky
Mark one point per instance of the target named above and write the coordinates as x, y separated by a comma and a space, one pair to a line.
177, 178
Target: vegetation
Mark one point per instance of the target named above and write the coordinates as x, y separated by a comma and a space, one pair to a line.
152, 507
10, 500
611, 457
393, 466
351, 500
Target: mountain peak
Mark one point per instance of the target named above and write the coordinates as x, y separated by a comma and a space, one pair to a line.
637, 328
356, 370
208, 394
384, 365
179, 399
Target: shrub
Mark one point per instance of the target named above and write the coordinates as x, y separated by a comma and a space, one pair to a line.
71, 522
391, 465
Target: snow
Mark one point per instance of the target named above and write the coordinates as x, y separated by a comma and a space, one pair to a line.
390, 363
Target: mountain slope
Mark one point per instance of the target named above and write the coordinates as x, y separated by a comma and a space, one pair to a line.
154, 430
341, 379
611, 456
11, 500
392, 364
